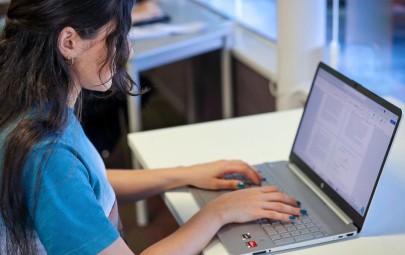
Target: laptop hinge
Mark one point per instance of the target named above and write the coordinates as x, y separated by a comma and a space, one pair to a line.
342, 215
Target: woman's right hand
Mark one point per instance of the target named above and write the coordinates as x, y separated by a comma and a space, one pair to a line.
255, 203
236, 206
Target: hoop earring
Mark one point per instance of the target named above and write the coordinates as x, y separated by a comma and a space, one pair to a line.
70, 61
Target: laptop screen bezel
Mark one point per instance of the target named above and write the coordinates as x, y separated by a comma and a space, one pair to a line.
357, 218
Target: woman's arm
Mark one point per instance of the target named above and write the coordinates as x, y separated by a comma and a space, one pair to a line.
192, 237
135, 185
132, 185
117, 247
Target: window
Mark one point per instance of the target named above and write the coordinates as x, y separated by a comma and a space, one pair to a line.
371, 36
372, 44
259, 16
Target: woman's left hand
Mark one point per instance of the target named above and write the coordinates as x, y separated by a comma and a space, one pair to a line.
210, 175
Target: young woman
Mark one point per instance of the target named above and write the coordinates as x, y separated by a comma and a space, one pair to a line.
56, 196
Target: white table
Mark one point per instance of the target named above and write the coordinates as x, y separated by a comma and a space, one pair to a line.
268, 137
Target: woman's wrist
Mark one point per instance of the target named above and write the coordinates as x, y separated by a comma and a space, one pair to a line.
215, 213
184, 175
187, 175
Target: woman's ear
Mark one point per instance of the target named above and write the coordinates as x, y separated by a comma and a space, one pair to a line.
69, 43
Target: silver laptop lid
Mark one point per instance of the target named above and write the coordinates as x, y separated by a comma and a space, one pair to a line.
343, 140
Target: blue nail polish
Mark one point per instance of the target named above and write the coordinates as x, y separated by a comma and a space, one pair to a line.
241, 185
304, 212
292, 217
298, 203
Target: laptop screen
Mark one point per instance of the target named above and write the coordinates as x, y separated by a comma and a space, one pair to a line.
344, 137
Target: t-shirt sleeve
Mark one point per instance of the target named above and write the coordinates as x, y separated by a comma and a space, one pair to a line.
67, 216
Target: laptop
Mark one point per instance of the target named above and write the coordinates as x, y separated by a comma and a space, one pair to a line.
339, 151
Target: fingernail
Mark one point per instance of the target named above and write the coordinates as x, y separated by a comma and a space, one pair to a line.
241, 185
304, 212
292, 217
298, 203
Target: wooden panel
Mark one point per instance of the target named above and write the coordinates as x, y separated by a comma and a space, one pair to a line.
197, 82
207, 84
251, 91
192, 83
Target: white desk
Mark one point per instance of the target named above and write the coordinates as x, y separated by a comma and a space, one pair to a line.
151, 53
265, 137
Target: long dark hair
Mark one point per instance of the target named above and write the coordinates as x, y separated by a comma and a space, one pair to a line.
35, 79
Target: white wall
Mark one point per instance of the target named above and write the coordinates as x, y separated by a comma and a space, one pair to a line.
301, 41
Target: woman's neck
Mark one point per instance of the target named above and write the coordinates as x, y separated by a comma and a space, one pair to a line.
73, 96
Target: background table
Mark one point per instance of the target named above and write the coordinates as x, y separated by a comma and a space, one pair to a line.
269, 137
152, 53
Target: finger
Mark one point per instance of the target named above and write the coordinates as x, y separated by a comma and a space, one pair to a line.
283, 208
228, 184
275, 215
249, 167
275, 195
254, 171
246, 170
254, 174
282, 198
258, 175
268, 189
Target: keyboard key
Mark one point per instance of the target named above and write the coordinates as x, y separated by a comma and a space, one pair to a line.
285, 235
263, 222
316, 222
288, 224
270, 230
310, 225
303, 237
281, 230
314, 229
318, 234
246, 236
297, 222
304, 231
275, 237
284, 241
295, 233
289, 229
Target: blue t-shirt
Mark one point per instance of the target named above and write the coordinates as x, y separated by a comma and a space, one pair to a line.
74, 198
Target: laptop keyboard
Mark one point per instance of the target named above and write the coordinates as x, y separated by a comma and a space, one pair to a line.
303, 228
